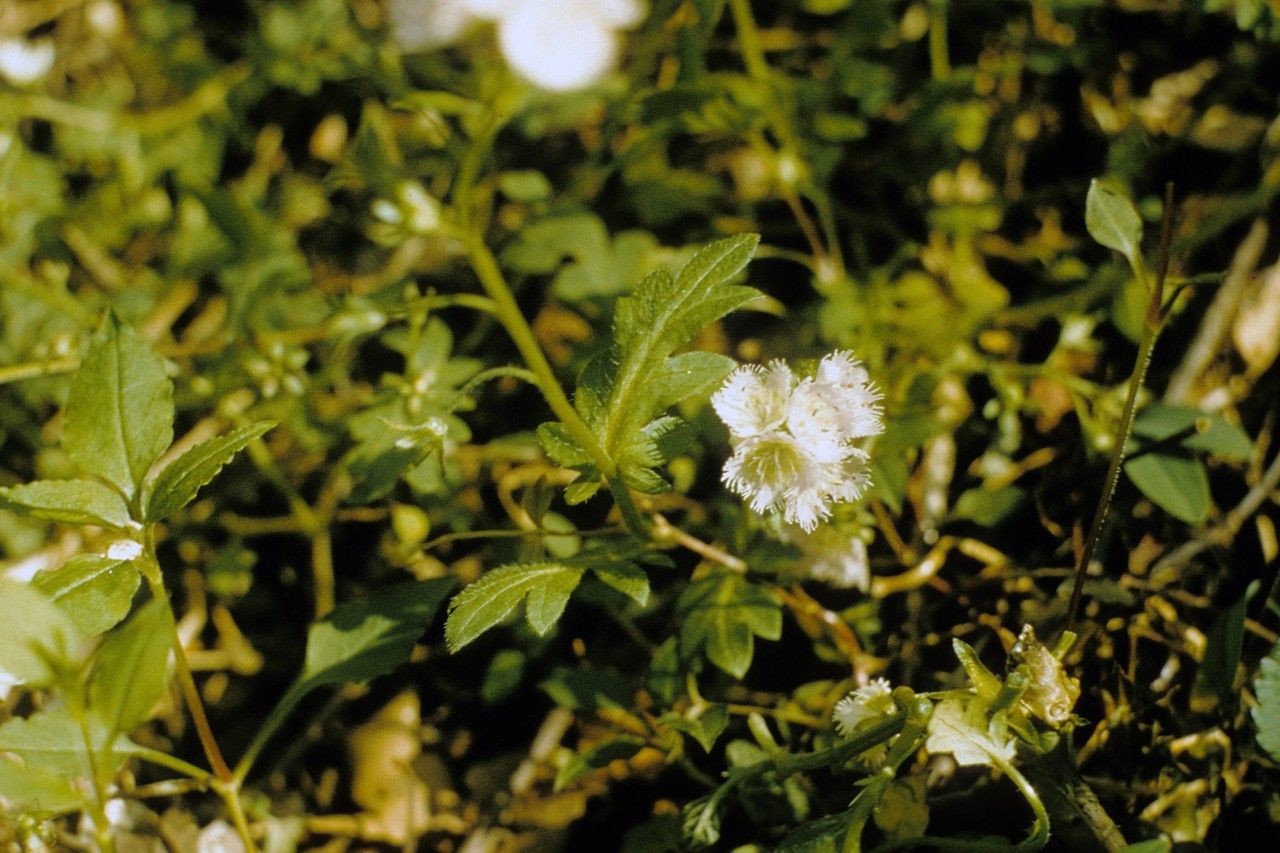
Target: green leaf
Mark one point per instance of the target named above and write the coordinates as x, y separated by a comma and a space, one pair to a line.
1216, 677
721, 614
634, 379
179, 481
361, 640
503, 676
68, 501
1177, 484
1113, 221
988, 507
119, 413
36, 638
959, 725
131, 669
546, 601
1266, 714
559, 445
597, 756
492, 598
95, 592
1203, 431
825, 835
627, 578
706, 728
690, 374
44, 760
586, 689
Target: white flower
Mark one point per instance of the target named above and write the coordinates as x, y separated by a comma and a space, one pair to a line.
25, 62
559, 45
865, 703
793, 446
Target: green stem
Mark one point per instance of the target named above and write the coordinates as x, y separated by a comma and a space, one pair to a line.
1150, 332
509, 315
33, 369
939, 56
175, 764
749, 40
273, 721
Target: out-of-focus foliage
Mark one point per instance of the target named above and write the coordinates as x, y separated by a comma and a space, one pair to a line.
388, 370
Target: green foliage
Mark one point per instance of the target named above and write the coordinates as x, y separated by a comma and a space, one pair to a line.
44, 765
68, 501
634, 378
119, 414
38, 641
1113, 221
721, 615
1266, 714
130, 669
93, 591
177, 483
544, 587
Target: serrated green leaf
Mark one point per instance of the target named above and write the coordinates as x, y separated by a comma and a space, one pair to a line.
36, 637
68, 501
492, 598
95, 592
627, 578
179, 481
546, 601
721, 614
690, 374
581, 492
44, 760
559, 445
1266, 714
119, 413
597, 756
635, 378
131, 669
1113, 221
1177, 484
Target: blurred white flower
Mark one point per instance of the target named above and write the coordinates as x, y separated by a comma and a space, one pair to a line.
425, 24
833, 556
865, 703
8, 681
792, 440
25, 62
554, 44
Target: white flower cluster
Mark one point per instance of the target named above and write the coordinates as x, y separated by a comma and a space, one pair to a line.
555, 44
833, 556
793, 439
865, 703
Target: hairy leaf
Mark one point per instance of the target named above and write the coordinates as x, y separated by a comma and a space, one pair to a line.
119, 413
635, 378
959, 725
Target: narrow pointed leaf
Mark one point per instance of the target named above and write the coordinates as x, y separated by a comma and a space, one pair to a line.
177, 484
